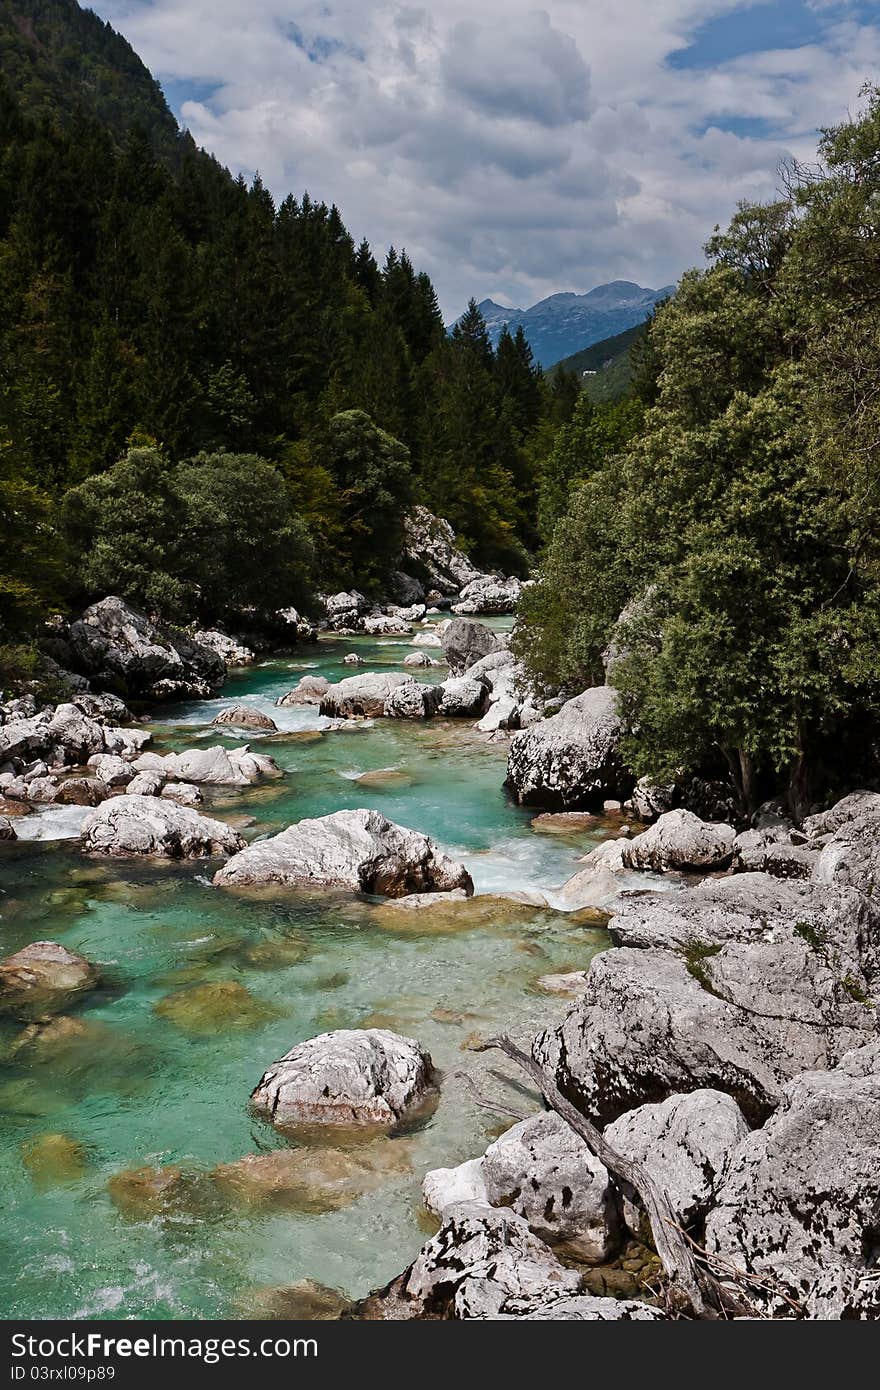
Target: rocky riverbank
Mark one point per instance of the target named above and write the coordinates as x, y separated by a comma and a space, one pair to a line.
728, 1042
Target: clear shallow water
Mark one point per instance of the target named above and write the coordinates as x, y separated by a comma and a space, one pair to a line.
132, 1085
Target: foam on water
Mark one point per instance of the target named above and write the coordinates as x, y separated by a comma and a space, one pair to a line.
52, 823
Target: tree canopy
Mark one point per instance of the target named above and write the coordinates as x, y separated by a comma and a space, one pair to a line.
738, 531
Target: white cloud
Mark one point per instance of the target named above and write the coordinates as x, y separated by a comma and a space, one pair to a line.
514, 150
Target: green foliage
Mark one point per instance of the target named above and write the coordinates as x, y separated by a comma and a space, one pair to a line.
596, 433
207, 539
740, 530
370, 471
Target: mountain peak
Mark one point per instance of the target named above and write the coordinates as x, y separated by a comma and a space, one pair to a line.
566, 322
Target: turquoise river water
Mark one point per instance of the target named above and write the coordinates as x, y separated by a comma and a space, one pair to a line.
129, 1080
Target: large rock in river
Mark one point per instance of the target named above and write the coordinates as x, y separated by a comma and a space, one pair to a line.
43, 979
152, 826
117, 646
353, 1078
359, 849
466, 642
571, 759
363, 696
800, 1203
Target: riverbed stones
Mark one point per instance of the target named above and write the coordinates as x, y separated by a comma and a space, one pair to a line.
150, 825
43, 979
801, 1198
685, 1143
680, 840
465, 642
360, 850
7, 829
571, 760
351, 1078
246, 717
361, 696
217, 766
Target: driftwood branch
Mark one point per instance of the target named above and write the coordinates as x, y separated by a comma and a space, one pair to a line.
692, 1291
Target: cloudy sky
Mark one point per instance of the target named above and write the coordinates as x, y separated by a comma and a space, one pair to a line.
514, 150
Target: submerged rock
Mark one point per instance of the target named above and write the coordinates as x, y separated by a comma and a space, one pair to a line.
353, 1078
153, 826
53, 1159
246, 717
215, 1007
360, 850
7, 829
141, 1194
312, 1178
42, 979
572, 759
304, 1301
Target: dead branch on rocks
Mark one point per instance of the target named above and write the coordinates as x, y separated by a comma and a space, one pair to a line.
692, 1291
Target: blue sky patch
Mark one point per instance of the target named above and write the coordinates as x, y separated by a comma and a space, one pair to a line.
755, 28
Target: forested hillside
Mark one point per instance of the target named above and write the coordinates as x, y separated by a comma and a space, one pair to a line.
63, 62
159, 311
739, 527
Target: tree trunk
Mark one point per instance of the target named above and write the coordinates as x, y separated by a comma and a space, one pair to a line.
799, 787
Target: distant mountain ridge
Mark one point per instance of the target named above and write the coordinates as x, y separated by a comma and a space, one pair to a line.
564, 324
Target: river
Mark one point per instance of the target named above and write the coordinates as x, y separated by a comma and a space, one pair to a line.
127, 1085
